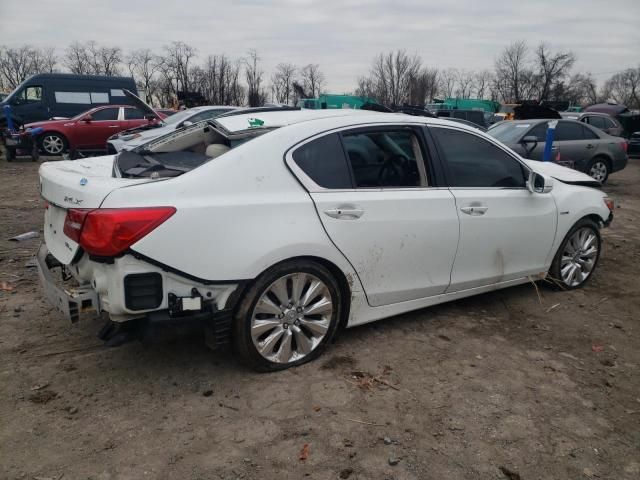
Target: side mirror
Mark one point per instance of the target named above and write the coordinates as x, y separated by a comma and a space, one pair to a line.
530, 139
150, 117
87, 119
539, 183
187, 123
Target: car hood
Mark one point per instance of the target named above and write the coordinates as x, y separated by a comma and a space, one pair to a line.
564, 174
50, 123
138, 102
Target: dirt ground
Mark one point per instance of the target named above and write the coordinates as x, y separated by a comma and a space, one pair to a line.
507, 385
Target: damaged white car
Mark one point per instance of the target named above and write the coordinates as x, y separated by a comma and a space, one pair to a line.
277, 229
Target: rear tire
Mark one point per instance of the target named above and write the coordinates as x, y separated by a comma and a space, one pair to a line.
578, 256
288, 316
10, 153
599, 169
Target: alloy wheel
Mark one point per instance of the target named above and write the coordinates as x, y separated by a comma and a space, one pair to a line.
52, 144
599, 171
291, 317
579, 256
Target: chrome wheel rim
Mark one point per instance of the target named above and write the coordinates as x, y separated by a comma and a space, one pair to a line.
291, 317
579, 257
598, 171
52, 144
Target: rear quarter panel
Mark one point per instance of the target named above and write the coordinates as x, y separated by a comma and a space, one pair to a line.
236, 216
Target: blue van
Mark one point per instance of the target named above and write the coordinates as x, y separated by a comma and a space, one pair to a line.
65, 95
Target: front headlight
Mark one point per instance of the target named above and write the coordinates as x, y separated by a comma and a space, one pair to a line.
131, 136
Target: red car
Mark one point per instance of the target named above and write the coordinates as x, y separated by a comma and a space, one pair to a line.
88, 132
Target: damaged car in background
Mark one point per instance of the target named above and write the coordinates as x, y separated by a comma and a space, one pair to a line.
277, 229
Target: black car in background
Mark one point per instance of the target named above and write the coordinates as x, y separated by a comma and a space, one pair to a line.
634, 145
49, 95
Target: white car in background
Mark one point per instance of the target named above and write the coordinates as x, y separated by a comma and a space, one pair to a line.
137, 136
277, 228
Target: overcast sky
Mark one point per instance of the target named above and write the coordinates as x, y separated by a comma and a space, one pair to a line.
341, 35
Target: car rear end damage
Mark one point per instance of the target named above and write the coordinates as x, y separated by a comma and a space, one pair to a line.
92, 251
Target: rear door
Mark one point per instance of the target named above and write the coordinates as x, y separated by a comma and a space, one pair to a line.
506, 232
381, 209
134, 117
93, 133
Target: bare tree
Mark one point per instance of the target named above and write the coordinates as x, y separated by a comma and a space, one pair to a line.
143, 65
465, 83
624, 87
253, 75
219, 81
483, 83
391, 78
282, 82
511, 71
552, 68
45, 60
92, 59
313, 80
16, 64
177, 60
447, 84
423, 86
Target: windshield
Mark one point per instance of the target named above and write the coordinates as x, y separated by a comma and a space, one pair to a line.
508, 132
178, 117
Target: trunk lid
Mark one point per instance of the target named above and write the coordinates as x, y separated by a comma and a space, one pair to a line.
75, 184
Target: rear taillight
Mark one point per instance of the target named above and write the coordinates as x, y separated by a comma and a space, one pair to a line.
624, 146
106, 232
609, 203
73, 223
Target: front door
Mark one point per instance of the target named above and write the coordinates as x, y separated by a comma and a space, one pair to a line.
378, 208
29, 104
92, 133
506, 232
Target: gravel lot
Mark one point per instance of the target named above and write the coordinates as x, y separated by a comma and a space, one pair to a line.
507, 385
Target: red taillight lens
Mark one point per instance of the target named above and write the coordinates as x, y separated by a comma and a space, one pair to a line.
609, 203
73, 223
624, 146
107, 232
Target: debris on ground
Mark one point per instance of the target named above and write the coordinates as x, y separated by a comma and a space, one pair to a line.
304, 453
510, 474
346, 472
24, 236
207, 393
393, 461
42, 396
6, 287
39, 386
597, 348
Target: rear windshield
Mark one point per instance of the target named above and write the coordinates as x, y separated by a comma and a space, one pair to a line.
180, 151
509, 132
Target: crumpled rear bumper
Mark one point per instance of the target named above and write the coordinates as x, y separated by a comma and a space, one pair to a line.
71, 302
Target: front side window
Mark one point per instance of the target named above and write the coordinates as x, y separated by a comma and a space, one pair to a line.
474, 162
385, 159
323, 161
31, 94
133, 114
105, 114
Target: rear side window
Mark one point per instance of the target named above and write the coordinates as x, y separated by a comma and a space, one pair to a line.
323, 161
566, 131
475, 162
133, 114
385, 159
206, 115
598, 122
105, 114
589, 134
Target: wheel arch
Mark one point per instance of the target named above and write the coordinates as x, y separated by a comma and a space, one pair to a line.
345, 282
64, 137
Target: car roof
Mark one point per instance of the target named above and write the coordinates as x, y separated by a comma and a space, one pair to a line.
204, 108
335, 117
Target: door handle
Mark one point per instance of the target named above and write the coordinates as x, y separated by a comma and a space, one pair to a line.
114, 126
475, 210
589, 146
345, 213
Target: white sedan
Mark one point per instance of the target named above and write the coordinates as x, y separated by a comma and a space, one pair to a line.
277, 229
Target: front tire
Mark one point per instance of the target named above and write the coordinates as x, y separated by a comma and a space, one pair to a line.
578, 255
598, 169
53, 144
288, 316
